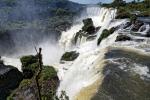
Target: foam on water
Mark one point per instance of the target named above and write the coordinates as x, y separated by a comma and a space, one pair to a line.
86, 69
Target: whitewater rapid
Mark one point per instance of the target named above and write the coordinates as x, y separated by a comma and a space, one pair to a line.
81, 78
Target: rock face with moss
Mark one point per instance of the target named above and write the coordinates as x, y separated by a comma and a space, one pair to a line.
70, 56
27, 90
88, 26
29, 65
10, 77
105, 34
88, 30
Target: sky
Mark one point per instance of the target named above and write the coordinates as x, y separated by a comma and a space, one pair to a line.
94, 1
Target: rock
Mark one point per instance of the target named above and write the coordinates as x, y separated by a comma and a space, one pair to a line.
123, 80
70, 56
88, 26
128, 24
105, 34
148, 33
48, 82
10, 78
123, 38
137, 25
29, 65
88, 31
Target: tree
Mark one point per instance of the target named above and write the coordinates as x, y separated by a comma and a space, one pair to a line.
147, 3
118, 3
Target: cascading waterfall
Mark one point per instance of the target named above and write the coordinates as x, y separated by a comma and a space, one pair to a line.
81, 78
85, 70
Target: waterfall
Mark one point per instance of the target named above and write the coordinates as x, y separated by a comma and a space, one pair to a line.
85, 69
101, 17
81, 78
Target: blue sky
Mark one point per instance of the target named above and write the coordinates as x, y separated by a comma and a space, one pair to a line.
94, 1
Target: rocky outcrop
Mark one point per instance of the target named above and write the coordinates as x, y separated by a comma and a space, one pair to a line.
126, 77
70, 56
88, 30
137, 25
27, 89
10, 78
105, 34
29, 66
123, 38
88, 26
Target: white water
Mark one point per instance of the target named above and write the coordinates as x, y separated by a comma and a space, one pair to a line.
85, 70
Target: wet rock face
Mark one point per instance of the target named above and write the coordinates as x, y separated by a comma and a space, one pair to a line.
88, 30
128, 24
124, 78
123, 38
70, 56
10, 78
88, 26
148, 33
27, 89
137, 25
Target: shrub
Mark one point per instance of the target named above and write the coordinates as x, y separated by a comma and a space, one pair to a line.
122, 13
29, 66
27, 61
133, 18
48, 72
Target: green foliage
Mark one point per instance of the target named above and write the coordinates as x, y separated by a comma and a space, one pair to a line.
29, 65
25, 83
105, 34
126, 10
122, 13
70, 56
48, 72
28, 62
133, 18
118, 3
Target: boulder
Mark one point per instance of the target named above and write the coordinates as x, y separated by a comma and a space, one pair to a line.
27, 89
148, 33
137, 25
70, 56
128, 24
123, 38
10, 78
105, 34
88, 26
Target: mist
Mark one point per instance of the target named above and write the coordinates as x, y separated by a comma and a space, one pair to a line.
31, 34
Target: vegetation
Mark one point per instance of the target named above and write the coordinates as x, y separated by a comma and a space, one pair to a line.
48, 72
47, 79
105, 34
29, 65
128, 10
